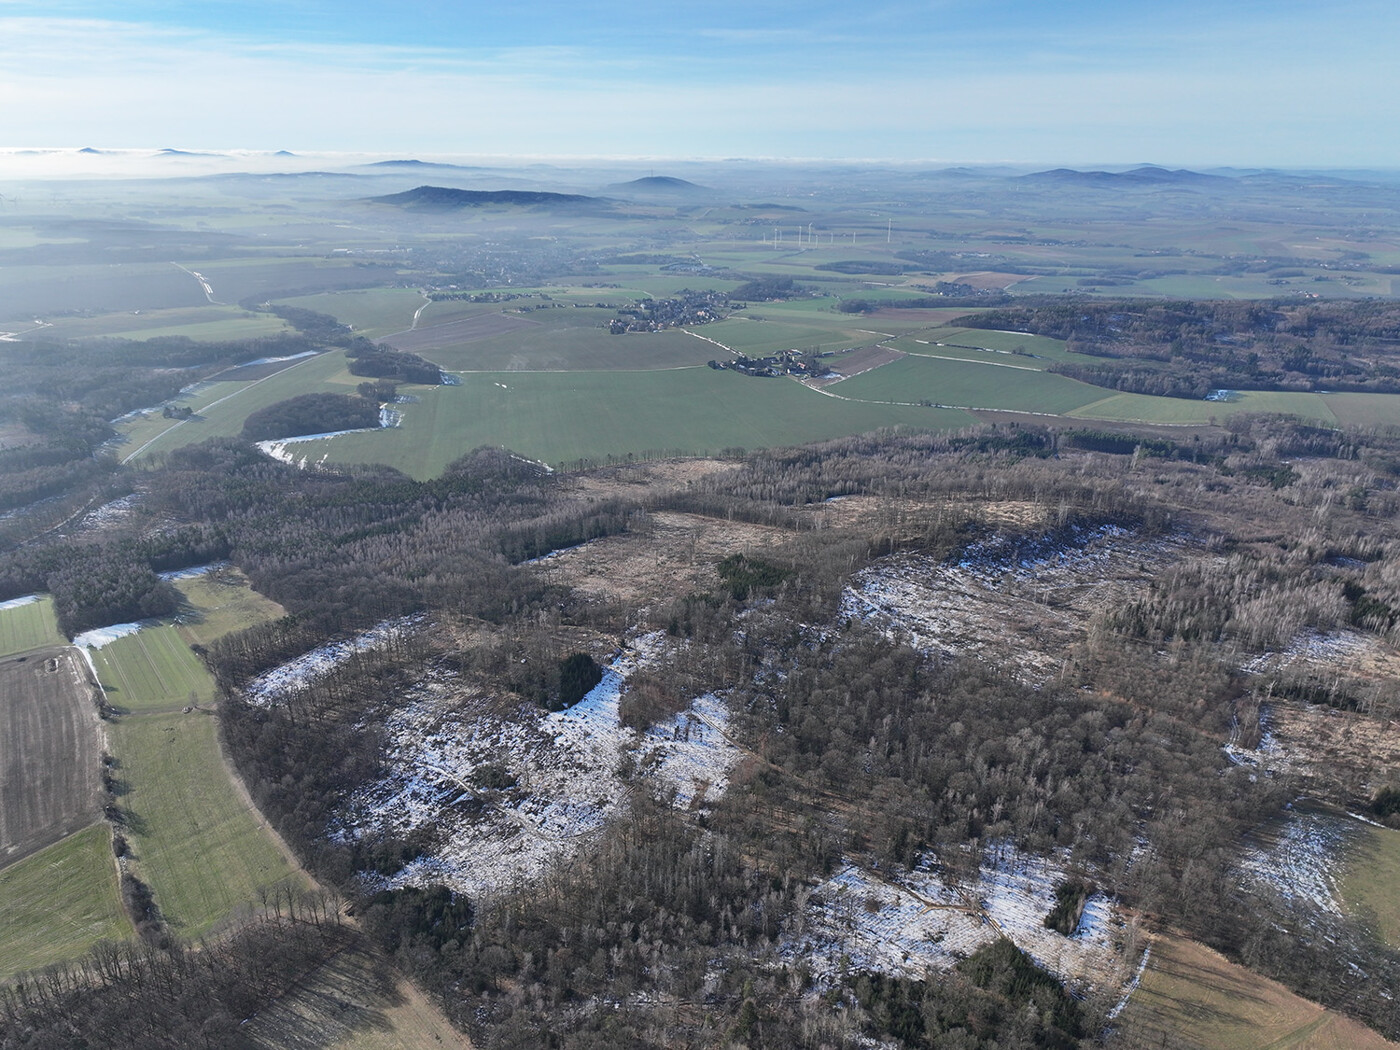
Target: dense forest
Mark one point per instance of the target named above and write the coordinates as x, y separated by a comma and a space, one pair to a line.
1187, 349
859, 744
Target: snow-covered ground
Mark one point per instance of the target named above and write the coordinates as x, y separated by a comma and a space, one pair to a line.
1300, 857
109, 513
193, 572
1333, 648
905, 923
512, 792
278, 449
1021, 602
294, 674
100, 636
16, 603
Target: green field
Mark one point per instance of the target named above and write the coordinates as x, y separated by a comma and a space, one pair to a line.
371, 312
221, 407
561, 418
29, 626
1148, 409
759, 338
1012, 387
59, 902
556, 345
152, 670
195, 842
220, 602
198, 322
1191, 996
1372, 875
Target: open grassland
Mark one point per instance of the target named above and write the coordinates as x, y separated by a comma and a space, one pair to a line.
27, 292
1004, 385
760, 338
59, 902
560, 418
49, 750
1370, 880
221, 407
196, 841
1195, 998
28, 626
354, 1002
1039, 349
234, 280
1145, 408
198, 322
371, 312
221, 602
152, 670
1364, 410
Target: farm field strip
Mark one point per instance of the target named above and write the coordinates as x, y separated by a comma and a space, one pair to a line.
1200, 999
28, 623
152, 669
203, 851
50, 746
59, 902
1369, 879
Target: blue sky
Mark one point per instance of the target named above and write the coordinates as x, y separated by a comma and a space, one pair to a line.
1281, 83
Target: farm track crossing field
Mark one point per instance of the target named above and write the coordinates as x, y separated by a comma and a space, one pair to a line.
200, 847
560, 418
454, 333
59, 902
152, 670
980, 385
759, 338
50, 748
1195, 998
1147, 409
26, 625
221, 407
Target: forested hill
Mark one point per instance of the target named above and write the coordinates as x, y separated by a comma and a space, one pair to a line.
445, 198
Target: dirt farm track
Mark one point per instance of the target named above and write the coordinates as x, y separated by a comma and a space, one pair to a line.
49, 750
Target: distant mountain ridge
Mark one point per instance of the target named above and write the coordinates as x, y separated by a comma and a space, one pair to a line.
445, 198
1147, 175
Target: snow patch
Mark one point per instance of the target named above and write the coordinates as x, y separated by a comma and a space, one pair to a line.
18, 603
272, 685
513, 792
100, 636
905, 923
195, 571
1299, 858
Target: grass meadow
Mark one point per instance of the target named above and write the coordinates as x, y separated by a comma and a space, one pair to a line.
29, 626
1000, 384
218, 603
59, 902
195, 841
1194, 997
563, 417
152, 670
1370, 879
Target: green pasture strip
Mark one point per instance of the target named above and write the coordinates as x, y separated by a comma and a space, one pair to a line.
59, 902
1043, 347
200, 848
979, 385
371, 312
759, 338
30, 626
560, 418
226, 329
220, 603
152, 670
561, 348
1369, 879
221, 407
208, 321
1364, 410
920, 346
1144, 408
